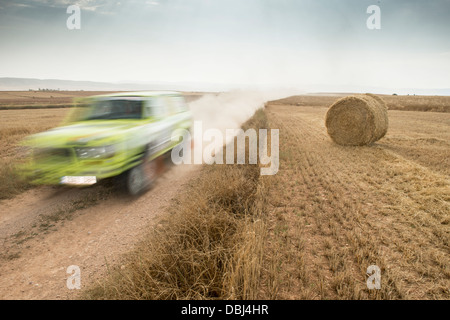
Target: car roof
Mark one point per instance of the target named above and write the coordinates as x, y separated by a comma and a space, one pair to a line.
138, 94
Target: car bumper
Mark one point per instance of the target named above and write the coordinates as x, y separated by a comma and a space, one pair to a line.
81, 173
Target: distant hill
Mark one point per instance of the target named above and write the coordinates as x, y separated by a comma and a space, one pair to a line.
343, 89
8, 84
54, 84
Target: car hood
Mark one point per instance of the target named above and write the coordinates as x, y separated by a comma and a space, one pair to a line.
84, 133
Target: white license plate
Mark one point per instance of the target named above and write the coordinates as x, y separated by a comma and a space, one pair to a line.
85, 180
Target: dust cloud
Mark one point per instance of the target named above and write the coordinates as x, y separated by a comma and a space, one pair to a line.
227, 110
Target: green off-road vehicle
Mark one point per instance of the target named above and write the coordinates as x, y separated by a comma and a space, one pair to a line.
115, 135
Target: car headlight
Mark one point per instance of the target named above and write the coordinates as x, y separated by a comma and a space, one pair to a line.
95, 152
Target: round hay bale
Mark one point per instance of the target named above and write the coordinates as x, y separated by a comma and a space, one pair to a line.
357, 120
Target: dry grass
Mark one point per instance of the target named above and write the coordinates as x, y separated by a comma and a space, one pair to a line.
209, 247
422, 138
334, 210
15, 125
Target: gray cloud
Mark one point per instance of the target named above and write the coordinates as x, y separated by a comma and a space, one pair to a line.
253, 41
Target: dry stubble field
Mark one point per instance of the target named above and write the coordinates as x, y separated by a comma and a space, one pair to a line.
334, 210
52, 98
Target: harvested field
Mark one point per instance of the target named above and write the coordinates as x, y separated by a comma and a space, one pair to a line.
54, 99
403, 103
19, 99
337, 210
309, 232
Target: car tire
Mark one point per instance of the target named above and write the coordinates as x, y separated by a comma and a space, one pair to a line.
140, 178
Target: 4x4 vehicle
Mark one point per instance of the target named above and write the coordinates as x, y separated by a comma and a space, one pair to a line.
107, 136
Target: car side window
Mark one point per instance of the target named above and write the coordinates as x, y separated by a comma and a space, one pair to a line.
178, 104
155, 107
169, 105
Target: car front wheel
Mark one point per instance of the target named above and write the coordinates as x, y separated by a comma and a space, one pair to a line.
140, 178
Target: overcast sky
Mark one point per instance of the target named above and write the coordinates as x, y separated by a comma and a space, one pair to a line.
259, 42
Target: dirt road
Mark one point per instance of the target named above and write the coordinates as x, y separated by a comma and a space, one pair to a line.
46, 230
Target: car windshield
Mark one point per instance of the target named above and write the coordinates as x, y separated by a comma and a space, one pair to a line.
121, 108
